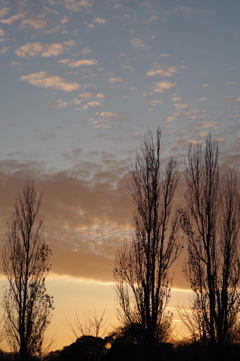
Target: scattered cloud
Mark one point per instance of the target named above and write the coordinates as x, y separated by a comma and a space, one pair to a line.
4, 49
231, 83
2, 33
153, 18
110, 115
205, 85
64, 20
15, 63
70, 43
194, 114
169, 119
235, 117
209, 124
162, 70
42, 79
114, 80
61, 104
99, 21
164, 55
161, 86
236, 99
177, 99
179, 106
100, 96
43, 49
202, 99
37, 22
91, 104
4, 11
76, 5
86, 95
138, 44
13, 18
78, 63
86, 51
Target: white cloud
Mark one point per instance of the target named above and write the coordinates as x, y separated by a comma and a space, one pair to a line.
13, 18
162, 70
169, 119
209, 124
235, 117
114, 80
205, 85
99, 21
236, 99
35, 21
64, 20
176, 99
43, 49
4, 11
161, 86
77, 63
152, 18
231, 83
2, 33
194, 114
202, 99
42, 79
91, 104
52, 30
86, 95
86, 51
179, 106
69, 43
4, 49
75, 5
99, 96
164, 55
138, 43
61, 104
110, 115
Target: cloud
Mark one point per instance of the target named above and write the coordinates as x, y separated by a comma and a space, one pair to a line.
2, 33
209, 124
42, 79
235, 117
78, 63
162, 70
61, 104
179, 106
13, 18
4, 49
153, 18
205, 85
194, 114
236, 99
91, 104
100, 96
15, 63
231, 83
43, 49
161, 86
37, 22
86, 95
114, 80
138, 43
176, 99
202, 99
110, 115
4, 11
164, 55
75, 5
169, 119
99, 21
86, 51
64, 20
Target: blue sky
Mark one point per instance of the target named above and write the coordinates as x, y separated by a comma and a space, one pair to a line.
81, 82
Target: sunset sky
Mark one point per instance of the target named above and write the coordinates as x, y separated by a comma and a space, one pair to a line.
81, 82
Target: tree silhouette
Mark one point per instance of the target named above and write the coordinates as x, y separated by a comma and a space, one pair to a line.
211, 222
25, 260
142, 280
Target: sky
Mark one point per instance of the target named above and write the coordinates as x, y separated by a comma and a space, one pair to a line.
81, 82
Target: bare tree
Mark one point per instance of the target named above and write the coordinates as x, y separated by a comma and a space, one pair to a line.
25, 261
211, 222
90, 325
141, 272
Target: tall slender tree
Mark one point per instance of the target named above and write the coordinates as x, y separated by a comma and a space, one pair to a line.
141, 272
25, 261
211, 222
